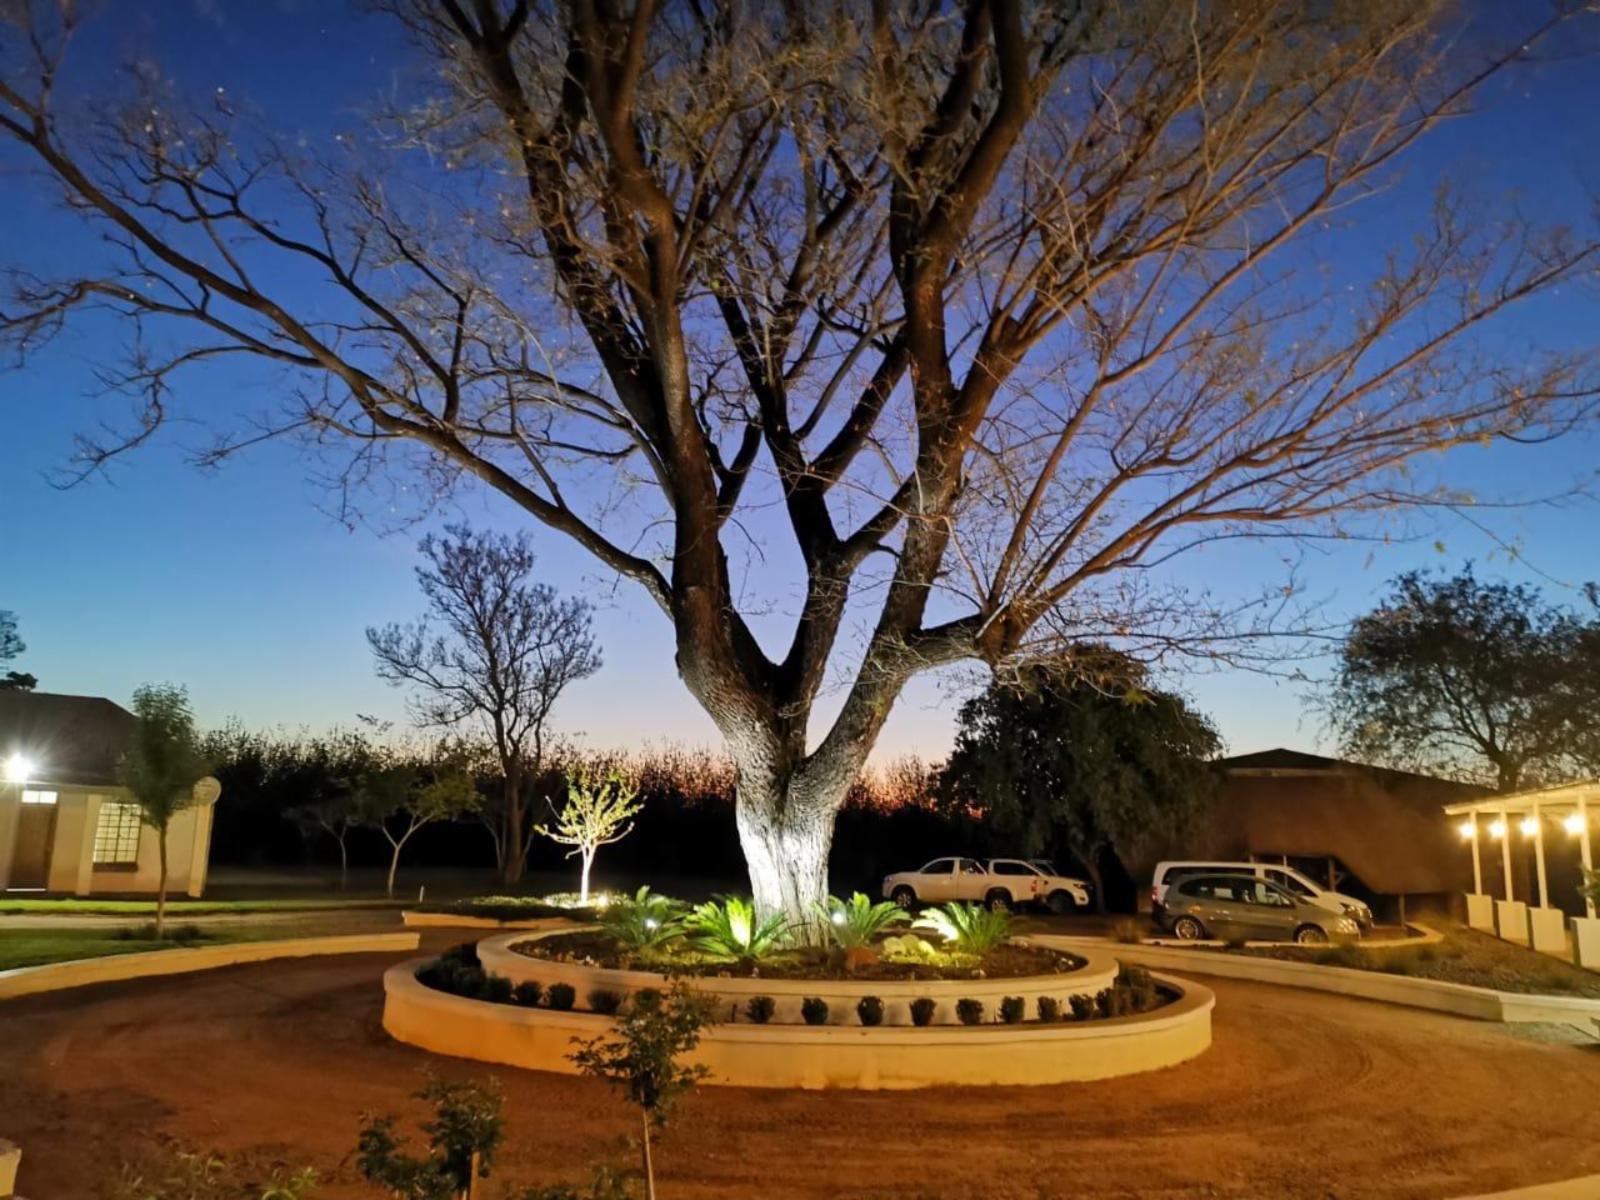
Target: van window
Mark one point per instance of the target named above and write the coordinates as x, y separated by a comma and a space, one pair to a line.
1283, 879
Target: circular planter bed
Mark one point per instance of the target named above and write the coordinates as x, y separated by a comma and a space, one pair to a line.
833, 1055
1094, 971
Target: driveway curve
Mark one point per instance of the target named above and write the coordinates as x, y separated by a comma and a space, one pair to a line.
1301, 1095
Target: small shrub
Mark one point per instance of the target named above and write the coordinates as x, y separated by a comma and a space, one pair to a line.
970, 928
1082, 1007
605, 1001
922, 1009
1105, 1002
496, 989
561, 996
857, 921
1049, 1009
870, 1010
759, 1009
814, 1010
1129, 931
188, 933
643, 921
1013, 1009
969, 1011
908, 947
465, 954
728, 929
468, 982
528, 993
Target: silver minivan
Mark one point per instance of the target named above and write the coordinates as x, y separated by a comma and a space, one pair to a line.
1285, 877
1241, 908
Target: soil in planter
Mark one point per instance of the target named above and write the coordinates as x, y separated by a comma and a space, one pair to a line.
597, 949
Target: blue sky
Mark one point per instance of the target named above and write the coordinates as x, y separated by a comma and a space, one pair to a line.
236, 583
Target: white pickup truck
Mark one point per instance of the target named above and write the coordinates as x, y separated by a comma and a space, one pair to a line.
997, 882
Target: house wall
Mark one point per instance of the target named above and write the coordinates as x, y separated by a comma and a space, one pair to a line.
72, 869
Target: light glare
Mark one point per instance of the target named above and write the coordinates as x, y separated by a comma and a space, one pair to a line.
1529, 826
1497, 829
1573, 823
18, 769
838, 917
1469, 830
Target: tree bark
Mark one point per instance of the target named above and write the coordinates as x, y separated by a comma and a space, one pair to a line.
513, 855
583, 877
394, 866
161, 887
786, 839
644, 1150
344, 864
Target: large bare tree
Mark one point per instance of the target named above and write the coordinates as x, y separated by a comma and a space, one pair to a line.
965, 317
494, 653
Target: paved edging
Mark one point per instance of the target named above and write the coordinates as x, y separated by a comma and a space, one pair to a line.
1426, 936
1458, 999
824, 1056
1586, 1188
112, 968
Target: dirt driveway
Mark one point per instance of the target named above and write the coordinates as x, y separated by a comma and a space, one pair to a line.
1302, 1095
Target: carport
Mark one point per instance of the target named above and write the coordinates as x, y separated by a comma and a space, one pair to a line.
1554, 820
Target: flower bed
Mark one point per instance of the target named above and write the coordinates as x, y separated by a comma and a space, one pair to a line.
840, 1053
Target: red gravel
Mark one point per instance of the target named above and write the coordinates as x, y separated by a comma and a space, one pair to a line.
1302, 1095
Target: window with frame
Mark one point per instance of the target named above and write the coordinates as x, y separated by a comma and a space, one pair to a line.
116, 837
30, 796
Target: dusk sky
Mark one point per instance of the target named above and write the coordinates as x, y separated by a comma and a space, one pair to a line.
237, 582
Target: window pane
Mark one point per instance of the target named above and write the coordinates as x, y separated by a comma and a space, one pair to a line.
116, 837
31, 797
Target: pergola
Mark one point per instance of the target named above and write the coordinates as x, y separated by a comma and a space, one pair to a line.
1532, 815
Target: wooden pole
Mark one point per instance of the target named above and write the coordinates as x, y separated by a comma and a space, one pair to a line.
1505, 852
1538, 856
1477, 857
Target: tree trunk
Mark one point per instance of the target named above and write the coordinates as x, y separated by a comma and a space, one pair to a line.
394, 866
513, 857
583, 877
161, 887
644, 1150
786, 843
344, 865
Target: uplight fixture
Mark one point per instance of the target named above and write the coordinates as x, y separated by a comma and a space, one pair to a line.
651, 923
18, 768
1497, 829
1529, 826
838, 917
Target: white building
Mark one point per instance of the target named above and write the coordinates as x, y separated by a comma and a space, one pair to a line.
66, 826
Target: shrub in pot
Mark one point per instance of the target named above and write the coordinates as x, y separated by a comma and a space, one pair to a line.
561, 996
604, 1001
759, 1009
922, 1010
1013, 1009
1049, 1009
527, 993
496, 989
969, 1011
1082, 1007
814, 1009
870, 1010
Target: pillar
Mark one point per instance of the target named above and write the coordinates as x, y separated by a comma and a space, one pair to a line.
1477, 857
1583, 845
1538, 856
1505, 852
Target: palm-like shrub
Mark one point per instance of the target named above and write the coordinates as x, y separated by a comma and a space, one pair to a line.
856, 921
969, 928
643, 921
728, 929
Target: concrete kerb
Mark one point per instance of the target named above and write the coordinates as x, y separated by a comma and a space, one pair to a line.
1425, 936
1097, 974
413, 919
826, 1056
113, 968
1458, 999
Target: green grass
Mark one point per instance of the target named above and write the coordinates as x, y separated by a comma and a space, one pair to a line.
11, 906
29, 948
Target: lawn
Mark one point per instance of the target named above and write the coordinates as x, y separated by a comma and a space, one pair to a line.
68, 906
32, 948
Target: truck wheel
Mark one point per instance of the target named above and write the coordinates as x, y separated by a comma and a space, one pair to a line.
1060, 901
904, 896
999, 901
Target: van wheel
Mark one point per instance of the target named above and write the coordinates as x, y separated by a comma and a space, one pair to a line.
1060, 902
998, 901
1311, 935
904, 896
1187, 929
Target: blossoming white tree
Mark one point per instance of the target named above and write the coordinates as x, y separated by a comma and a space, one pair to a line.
598, 811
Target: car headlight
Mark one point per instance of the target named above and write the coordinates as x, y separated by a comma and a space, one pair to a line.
1346, 925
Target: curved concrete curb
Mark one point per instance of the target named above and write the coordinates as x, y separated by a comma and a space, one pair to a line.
1586, 1188
25, 981
1459, 999
804, 1056
1426, 936
1098, 973
437, 920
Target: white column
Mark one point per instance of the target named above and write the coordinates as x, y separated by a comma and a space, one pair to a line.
1477, 857
1583, 845
1505, 852
1538, 856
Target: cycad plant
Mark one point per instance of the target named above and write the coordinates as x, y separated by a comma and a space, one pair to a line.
727, 928
644, 921
857, 921
968, 928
